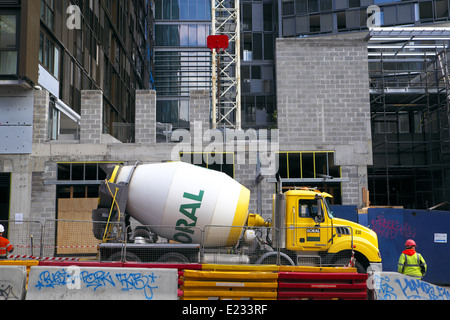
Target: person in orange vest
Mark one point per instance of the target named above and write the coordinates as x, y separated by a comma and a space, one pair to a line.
411, 263
5, 245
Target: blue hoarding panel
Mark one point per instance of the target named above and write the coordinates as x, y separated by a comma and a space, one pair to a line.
345, 212
429, 229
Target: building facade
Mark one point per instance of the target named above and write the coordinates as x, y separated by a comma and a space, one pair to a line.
79, 45
68, 107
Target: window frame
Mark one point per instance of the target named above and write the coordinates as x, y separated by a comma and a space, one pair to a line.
16, 48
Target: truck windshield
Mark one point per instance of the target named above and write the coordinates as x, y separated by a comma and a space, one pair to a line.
327, 205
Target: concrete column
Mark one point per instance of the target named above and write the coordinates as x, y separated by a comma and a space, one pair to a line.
41, 116
199, 110
145, 123
43, 196
91, 125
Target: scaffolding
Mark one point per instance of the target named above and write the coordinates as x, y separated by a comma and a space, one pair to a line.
409, 91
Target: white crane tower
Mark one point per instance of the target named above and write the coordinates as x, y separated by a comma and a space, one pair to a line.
226, 79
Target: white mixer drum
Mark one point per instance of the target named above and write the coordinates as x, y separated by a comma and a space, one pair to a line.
178, 200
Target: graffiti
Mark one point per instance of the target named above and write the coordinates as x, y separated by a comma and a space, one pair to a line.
414, 289
7, 292
98, 279
392, 228
393, 286
384, 290
137, 281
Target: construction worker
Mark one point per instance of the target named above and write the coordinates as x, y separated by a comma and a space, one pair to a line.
411, 263
5, 245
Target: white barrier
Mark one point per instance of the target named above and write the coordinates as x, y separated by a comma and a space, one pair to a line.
97, 283
396, 286
13, 281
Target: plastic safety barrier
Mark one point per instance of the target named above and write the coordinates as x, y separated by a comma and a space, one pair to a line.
229, 285
302, 285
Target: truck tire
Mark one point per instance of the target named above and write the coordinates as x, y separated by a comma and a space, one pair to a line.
129, 256
173, 257
344, 262
271, 258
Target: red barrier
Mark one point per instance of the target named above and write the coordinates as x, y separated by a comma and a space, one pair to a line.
300, 285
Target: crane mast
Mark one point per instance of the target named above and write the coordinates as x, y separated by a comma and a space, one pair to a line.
226, 73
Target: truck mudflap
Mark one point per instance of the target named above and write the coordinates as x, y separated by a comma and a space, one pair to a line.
150, 252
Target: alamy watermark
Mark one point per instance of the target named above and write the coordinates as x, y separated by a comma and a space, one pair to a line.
73, 22
214, 146
374, 20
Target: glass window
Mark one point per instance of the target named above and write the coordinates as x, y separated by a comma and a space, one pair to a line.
267, 16
192, 9
441, 9
184, 9
314, 23
219, 161
175, 10
8, 62
184, 35
49, 55
301, 6
257, 46
158, 9
308, 165
8, 44
426, 10
8, 27
166, 9
288, 8
302, 25
192, 35
202, 34
353, 19
268, 46
47, 13
341, 20
246, 17
313, 5
354, 3
405, 13
326, 4
326, 22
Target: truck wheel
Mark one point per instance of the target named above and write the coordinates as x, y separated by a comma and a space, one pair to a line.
271, 258
129, 256
344, 262
173, 257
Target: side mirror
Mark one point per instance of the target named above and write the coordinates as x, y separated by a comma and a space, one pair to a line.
319, 217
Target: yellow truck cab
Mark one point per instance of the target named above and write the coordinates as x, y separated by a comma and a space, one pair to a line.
314, 237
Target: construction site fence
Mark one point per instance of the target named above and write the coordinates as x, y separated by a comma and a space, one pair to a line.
55, 239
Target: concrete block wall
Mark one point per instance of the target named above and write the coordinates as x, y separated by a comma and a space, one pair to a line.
199, 109
145, 124
41, 116
323, 91
91, 125
323, 103
43, 195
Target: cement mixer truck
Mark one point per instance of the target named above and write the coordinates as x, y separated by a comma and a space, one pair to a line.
190, 214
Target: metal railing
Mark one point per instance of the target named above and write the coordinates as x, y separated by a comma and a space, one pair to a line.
75, 240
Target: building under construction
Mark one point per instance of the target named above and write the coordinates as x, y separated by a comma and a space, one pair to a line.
409, 90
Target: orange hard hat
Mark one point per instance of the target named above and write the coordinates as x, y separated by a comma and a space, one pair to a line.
410, 243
